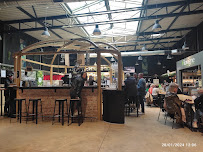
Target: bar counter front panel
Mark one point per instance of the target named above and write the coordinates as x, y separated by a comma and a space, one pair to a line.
49, 94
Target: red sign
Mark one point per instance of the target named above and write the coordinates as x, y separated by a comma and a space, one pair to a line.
55, 77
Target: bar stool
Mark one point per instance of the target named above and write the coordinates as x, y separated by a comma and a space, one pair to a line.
19, 107
34, 109
61, 110
79, 109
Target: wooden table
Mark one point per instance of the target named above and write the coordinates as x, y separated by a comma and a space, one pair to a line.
186, 98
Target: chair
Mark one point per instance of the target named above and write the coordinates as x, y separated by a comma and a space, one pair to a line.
19, 111
130, 106
61, 110
35, 112
72, 109
172, 109
161, 109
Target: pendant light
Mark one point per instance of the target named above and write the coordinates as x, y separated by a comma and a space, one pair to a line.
156, 27
144, 48
46, 33
112, 59
97, 30
185, 47
158, 63
169, 57
136, 63
140, 58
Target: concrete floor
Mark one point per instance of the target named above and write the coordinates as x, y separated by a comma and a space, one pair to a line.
138, 134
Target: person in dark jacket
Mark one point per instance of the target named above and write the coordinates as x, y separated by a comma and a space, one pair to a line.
7, 93
141, 87
131, 90
198, 110
76, 88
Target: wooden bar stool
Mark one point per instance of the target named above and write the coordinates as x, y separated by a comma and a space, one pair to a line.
19, 111
35, 112
61, 110
72, 109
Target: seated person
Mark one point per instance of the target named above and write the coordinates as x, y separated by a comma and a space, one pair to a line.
172, 102
198, 108
151, 88
155, 93
131, 89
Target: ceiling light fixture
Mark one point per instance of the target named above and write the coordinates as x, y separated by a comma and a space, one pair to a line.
46, 33
168, 57
140, 58
136, 63
156, 27
144, 48
97, 30
158, 63
185, 47
112, 59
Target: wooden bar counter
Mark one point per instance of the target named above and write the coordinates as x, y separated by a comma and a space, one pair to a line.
49, 94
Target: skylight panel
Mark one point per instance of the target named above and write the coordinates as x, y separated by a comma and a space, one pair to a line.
128, 28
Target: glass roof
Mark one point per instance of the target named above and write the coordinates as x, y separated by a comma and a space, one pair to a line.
109, 30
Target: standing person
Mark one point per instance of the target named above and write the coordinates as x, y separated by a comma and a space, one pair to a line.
131, 89
135, 76
7, 93
141, 87
76, 88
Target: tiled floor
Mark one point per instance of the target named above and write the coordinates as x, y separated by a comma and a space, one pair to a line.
138, 134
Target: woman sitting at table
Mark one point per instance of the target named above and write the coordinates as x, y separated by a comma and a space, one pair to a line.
172, 102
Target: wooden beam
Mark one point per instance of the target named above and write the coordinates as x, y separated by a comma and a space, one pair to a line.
36, 62
51, 75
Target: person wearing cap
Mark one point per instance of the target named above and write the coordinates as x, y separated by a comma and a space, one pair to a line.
7, 93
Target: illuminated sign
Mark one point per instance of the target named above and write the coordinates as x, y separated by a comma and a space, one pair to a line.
188, 61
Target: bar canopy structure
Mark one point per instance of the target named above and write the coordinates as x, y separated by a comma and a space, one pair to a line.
79, 46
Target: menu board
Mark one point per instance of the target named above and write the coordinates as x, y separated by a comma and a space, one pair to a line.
3, 73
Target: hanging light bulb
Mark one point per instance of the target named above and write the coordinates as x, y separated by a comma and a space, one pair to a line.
140, 58
185, 47
156, 27
136, 63
144, 48
97, 30
158, 63
46, 33
168, 57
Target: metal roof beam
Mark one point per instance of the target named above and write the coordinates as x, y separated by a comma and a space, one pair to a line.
153, 6
137, 34
119, 46
143, 40
28, 14
174, 20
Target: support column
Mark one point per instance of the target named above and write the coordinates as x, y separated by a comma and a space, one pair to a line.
120, 69
51, 75
99, 101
